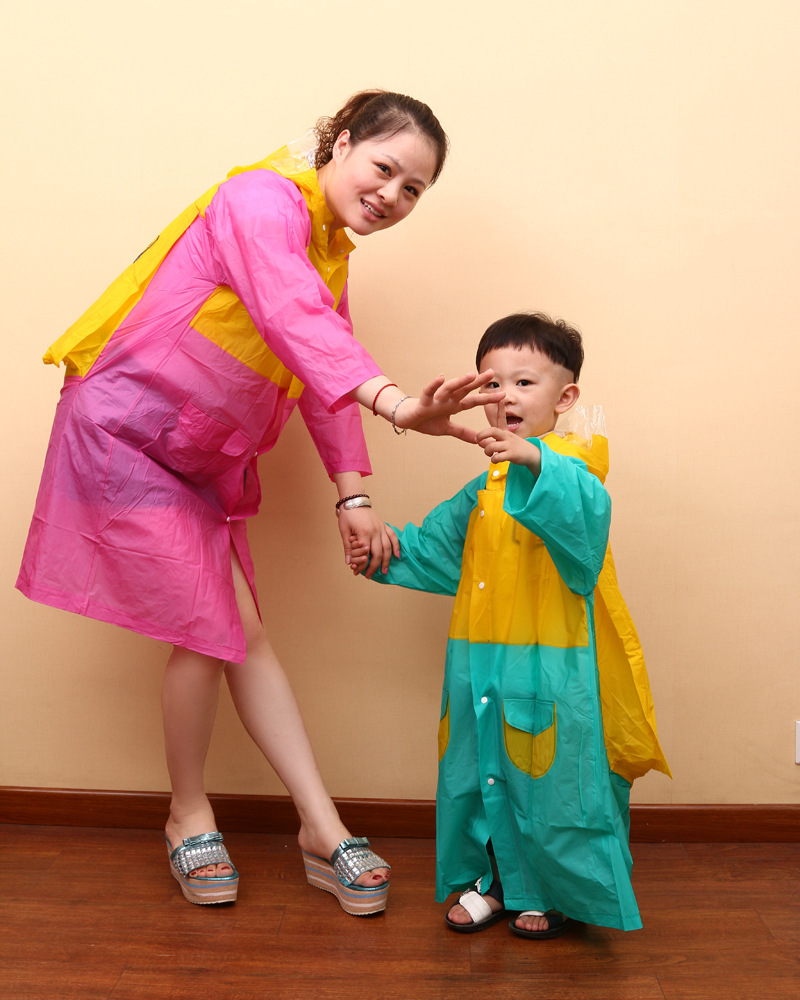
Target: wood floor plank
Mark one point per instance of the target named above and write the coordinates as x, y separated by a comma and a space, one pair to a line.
95, 914
25, 980
377, 985
783, 924
727, 986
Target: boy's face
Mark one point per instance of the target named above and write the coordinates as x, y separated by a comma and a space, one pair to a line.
537, 390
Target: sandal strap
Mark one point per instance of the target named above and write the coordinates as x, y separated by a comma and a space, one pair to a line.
197, 852
475, 905
353, 858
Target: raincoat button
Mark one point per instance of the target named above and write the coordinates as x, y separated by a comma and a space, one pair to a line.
484, 700
227, 519
324, 227
483, 512
490, 781
481, 585
495, 474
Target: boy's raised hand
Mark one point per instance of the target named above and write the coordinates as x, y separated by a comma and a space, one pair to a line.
503, 445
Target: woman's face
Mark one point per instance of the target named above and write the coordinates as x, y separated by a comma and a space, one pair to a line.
374, 184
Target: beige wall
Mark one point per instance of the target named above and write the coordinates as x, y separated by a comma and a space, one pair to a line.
631, 166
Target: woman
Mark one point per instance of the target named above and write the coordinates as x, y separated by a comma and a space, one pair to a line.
182, 373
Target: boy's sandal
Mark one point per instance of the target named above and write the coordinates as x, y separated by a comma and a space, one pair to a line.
197, 852
482, 914
557, 924
351, 859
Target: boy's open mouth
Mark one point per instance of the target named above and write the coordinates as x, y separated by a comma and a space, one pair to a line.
513, 421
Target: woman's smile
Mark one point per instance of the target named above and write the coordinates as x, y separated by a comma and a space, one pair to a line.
372, 211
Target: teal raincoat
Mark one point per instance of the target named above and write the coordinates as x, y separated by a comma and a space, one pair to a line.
523, 762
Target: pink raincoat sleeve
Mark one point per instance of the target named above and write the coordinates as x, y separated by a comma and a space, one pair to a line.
338, 435
260, 231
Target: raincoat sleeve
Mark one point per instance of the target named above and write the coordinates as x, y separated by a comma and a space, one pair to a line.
338, 435
259, 226
569, 509
431, 554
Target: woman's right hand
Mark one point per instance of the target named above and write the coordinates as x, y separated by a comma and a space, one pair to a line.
440, 399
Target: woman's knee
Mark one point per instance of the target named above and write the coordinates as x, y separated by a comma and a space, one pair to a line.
258, 645
182, 658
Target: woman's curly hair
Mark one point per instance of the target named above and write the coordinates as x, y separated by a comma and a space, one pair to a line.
378, 114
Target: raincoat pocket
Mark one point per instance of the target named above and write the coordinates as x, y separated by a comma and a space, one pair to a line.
529, 734
444, 725
202, 448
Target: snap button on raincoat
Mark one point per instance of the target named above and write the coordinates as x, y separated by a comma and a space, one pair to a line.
178, 377
538, 742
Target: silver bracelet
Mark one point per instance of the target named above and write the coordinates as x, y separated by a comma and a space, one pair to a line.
394, 410
351, 497
352, 503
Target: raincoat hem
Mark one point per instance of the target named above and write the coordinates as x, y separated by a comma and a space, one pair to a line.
67, 602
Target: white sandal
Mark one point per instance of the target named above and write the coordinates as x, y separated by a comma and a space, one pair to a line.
482, 914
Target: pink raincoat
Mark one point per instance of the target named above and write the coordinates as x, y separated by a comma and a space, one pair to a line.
151, 466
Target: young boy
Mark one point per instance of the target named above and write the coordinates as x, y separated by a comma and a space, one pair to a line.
546, 711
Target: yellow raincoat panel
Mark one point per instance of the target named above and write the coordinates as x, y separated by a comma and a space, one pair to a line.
530, 608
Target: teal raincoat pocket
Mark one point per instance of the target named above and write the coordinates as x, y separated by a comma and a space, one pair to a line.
529, 733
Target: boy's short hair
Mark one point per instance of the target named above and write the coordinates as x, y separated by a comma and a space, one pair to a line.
557, 340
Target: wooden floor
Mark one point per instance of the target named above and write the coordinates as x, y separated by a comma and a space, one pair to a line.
94, 913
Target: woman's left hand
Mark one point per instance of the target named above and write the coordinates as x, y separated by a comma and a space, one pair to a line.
440, 399
368, 542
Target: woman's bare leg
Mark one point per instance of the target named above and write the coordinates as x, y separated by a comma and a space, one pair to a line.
189, 704
267, 707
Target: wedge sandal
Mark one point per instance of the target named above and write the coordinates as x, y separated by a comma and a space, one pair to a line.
197, 852
351, 859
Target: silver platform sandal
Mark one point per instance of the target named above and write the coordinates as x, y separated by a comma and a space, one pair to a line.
351, 859
197, 852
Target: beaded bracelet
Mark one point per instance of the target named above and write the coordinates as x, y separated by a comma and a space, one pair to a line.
375, 400
394, 426
353, 496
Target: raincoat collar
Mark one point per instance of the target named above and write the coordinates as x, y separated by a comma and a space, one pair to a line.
593, 452
581, 433
329, 248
